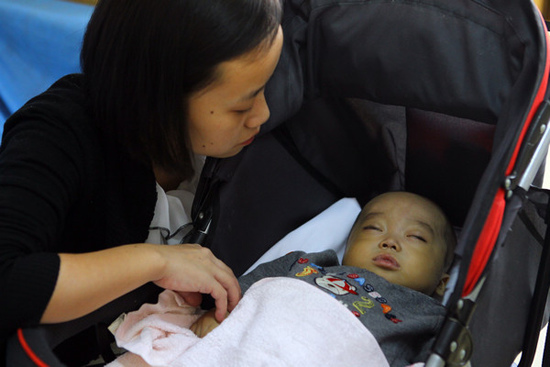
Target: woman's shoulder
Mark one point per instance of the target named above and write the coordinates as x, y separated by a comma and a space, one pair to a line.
60, 115
65, 102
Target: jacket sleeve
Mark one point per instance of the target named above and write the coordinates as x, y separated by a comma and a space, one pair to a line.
40, 169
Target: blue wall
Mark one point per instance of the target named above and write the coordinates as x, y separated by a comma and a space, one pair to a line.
40, 41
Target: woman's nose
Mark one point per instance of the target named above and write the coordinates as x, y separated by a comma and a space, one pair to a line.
390, 244
259, 114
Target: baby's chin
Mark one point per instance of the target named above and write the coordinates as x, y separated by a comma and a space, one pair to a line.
394, 277
389, 275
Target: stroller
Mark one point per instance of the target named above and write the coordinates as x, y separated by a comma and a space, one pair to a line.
447, 99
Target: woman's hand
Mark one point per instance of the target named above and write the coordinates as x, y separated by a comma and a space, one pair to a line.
192, 270
90, 280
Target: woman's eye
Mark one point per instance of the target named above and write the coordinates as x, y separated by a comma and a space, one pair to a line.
243, 110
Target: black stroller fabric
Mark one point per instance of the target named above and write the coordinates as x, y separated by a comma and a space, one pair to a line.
430, 96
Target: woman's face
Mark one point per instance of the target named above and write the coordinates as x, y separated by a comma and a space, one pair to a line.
226, 116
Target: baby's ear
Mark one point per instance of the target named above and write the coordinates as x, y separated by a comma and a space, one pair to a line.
440, 290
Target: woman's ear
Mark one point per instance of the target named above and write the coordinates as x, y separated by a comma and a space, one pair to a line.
440, 289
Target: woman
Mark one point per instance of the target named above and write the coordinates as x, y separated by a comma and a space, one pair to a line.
162, 80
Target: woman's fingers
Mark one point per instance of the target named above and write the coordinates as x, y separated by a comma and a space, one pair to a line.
191, 270
226, 293
220, 296
231, 284
191, 298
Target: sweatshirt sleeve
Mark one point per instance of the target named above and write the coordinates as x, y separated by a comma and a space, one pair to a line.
39, 181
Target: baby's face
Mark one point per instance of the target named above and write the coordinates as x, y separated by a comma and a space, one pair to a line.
400, 237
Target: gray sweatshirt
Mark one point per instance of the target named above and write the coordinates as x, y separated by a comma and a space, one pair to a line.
403, 321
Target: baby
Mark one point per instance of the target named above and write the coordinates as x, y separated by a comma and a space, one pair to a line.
404, 238
393, 272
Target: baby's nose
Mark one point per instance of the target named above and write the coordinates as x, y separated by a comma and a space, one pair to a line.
390, 244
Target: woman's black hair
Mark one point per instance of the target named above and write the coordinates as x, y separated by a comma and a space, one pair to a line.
142, 59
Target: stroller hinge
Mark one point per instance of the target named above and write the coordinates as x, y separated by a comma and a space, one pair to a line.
454, 343
532, 152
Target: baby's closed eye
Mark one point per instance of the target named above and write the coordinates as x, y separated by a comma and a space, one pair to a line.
419, 237
372, 227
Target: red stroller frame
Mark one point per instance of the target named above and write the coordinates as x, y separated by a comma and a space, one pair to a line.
444, 98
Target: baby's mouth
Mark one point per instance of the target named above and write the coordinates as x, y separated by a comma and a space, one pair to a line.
386, 261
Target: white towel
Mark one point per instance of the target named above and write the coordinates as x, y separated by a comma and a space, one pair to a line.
279, 322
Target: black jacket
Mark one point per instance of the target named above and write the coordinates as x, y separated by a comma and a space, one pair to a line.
63, 188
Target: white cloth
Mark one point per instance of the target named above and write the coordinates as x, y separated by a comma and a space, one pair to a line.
279, 322
172, 218
328, 230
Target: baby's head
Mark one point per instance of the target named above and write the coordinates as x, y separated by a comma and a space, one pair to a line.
404, 238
